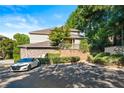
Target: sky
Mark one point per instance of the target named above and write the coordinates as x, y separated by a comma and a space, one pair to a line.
23, 19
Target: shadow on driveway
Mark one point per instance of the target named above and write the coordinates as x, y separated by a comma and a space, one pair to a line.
66, 76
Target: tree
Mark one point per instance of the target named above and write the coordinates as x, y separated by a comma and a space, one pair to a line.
20, 39
6, 46
93, 20
58, 34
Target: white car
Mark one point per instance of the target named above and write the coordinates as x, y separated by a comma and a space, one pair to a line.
25, 64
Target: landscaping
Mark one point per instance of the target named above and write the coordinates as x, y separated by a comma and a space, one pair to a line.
54, 58
107, 59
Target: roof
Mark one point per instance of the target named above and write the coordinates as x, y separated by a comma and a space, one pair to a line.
39, 45
41, 32
48, 31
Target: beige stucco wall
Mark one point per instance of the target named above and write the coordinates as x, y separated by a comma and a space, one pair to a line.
38, 38
35, 53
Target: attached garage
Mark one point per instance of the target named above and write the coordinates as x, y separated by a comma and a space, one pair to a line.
37, 50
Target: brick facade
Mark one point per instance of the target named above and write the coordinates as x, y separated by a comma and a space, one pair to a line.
72, 52
35, 53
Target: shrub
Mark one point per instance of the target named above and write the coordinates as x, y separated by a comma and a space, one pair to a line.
90, 58
52, 55
44, 60
57, 60
66, 59
84, 46
100, 60
121, 61
75, 59
102, 54
106, 59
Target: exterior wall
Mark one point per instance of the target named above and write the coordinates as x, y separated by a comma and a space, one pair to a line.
38, 38
77, 41
35, 53
67, 53
114, 50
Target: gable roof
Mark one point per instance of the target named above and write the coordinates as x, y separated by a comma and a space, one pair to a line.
38, 45
41, 32
48, 31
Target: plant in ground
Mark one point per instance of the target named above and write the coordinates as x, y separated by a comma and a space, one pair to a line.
84, 46
106, 59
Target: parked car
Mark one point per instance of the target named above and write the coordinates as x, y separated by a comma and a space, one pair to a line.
25, 64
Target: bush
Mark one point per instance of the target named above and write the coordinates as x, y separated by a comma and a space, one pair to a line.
84, 46
52, 55
102, 54
57, 60
44, 60
106, 59
100, 61
75, 59
90, 58
16, 57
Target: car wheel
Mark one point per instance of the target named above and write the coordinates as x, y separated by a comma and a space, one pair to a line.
29, 67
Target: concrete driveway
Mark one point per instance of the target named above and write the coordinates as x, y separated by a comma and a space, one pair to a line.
64, 76
6, 63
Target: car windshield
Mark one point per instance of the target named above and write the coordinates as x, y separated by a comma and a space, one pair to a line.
25, 60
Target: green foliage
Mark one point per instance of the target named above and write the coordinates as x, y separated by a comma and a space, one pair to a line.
57, 60
99, 23
21, 39
58, 34
44, 60
6, 46
106, 59
75, 59
90, 58
84, 46
52, 55
16, 54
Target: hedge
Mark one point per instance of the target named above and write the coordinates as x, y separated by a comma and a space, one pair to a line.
57, 60
44, 60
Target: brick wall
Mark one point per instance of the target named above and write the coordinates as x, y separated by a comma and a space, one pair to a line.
67, 53
35, 53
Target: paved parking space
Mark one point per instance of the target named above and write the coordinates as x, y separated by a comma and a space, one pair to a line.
61, 76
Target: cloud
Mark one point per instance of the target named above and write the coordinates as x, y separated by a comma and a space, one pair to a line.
19, 24
58, 16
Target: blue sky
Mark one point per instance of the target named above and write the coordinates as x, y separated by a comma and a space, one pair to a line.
23, 19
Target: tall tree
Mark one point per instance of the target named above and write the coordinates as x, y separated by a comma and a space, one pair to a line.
20, 39
6, 46
93, 20
58, 34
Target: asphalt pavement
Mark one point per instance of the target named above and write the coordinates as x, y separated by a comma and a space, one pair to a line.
83, 75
